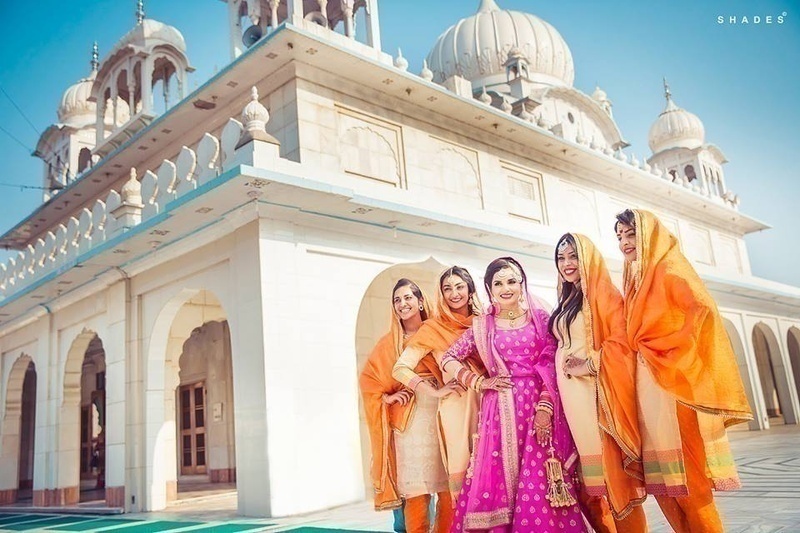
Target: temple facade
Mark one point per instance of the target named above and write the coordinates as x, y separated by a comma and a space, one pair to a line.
194, 298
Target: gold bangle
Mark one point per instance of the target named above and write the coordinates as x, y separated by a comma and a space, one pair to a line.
590, 366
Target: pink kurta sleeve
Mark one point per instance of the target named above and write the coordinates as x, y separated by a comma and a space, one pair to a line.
463, 348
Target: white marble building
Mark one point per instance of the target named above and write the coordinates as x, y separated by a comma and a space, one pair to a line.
195, 304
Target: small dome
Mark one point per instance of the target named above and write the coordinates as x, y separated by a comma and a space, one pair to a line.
676, 128
477, 47
599, 95
150, 31
75, 108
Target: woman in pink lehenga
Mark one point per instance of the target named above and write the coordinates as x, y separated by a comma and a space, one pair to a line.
516, 480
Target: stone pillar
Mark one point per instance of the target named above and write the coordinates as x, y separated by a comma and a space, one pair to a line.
45, 445
131, 92
147, 85
373, 25
235, 28
273, 13
295, 11
349, 23
9, 458
761, 418
115, 347
248, 329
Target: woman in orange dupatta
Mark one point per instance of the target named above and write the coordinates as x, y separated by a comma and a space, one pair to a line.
406, 463
688, 383
600, 402
456, 305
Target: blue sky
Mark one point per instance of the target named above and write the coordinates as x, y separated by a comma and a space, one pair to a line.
741, 79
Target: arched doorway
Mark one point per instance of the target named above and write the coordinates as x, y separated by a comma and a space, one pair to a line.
197, 445
82, 426
793, 343
374, 318
19, 425
772, 374
741, 361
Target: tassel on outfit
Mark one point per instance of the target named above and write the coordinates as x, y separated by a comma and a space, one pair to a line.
557, 493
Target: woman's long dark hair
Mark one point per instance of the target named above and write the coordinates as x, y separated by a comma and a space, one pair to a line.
415, 290
570, 301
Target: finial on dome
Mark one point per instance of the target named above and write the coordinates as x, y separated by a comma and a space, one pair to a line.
400, 61
95, 57
254, 119
671, 105
426, 74
139, 11
254, 115
487, 6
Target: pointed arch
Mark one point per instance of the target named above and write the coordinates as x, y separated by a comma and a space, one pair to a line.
16, 447
773, 375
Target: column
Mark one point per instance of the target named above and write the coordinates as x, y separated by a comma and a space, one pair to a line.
115, 347
373, 26
247, 310
295, 11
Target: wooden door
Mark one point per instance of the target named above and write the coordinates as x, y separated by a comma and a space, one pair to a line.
192, 438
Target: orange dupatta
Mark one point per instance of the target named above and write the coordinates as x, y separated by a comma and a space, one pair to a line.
674, 323
374, 381
437, 335
617, 412
675, 326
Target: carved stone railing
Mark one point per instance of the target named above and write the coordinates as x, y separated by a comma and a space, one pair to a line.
136, 202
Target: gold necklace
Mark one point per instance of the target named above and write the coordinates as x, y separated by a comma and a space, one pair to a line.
512, 316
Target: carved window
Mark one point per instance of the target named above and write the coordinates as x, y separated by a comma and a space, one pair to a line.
525, 195
370, 147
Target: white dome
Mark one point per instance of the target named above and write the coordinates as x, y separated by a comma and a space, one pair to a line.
476, 48
152, 31
676, 128
75, 107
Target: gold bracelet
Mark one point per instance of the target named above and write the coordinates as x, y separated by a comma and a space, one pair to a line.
591, 367
478, 383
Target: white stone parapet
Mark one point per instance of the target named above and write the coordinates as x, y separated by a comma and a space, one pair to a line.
137, 202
